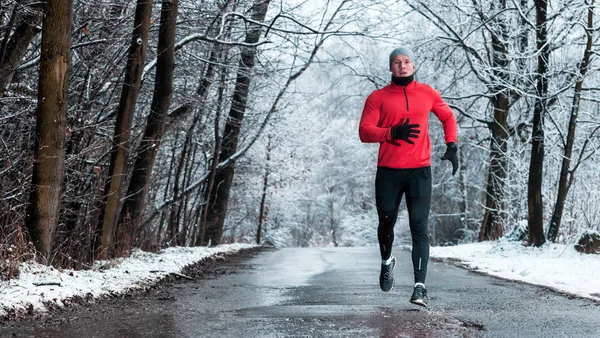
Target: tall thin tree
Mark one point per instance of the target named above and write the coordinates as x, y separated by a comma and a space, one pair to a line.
217, 55
51, 116
566, 174
262, 211
534, 192
133, 206
125, 112
224, 177
492, 225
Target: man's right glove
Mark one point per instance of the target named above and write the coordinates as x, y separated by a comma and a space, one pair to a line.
450, 155
404, 131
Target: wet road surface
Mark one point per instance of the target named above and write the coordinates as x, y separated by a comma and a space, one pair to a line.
325, 292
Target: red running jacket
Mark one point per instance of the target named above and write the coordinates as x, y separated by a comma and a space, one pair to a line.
387, 106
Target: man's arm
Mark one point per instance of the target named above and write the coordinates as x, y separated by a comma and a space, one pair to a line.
446, 116
368, 131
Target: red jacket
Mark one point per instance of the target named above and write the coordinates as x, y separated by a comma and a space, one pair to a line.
385, 108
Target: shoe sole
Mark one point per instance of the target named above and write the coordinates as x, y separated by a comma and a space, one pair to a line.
419, 302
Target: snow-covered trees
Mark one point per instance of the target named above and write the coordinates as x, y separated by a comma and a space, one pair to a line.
279, 94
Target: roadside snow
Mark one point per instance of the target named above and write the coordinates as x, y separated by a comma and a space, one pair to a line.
556, 266
38, 284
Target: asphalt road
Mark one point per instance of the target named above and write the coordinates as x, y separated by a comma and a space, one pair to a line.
325, 292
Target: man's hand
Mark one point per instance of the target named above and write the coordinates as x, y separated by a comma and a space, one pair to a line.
450, 155
404, 131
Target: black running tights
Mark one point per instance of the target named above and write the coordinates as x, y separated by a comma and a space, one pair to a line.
390, 185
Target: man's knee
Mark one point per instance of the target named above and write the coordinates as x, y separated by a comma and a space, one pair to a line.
387, 218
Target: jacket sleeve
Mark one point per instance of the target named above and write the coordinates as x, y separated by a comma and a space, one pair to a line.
446, 116
368, 130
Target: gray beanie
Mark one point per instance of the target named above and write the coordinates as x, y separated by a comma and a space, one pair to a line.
404, 51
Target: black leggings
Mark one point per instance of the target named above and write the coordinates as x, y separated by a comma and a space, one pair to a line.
390, 185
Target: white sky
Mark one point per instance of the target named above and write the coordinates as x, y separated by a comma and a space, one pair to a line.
554, 265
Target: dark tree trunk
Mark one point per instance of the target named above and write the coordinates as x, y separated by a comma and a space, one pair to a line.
125, 113
332, 223
464, 203
133, 207
13, 49
262, 215
224, 178
51, 116
492, 225
534, 193
564, 179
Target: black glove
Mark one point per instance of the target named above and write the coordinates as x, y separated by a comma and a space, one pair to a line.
450, 155
403, 131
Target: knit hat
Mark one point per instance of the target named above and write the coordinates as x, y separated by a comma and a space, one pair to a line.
404, 51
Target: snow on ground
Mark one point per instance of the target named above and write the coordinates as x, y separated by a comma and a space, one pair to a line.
553, 265
556, 266
38, 284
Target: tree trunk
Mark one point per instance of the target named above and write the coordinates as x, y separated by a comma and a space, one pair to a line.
125, 113
51, 116
563, 186
213, 165
464, 203
262, 215
332, 225
14, 49
492, 225
224, 178
133, 207
163, 216
534, 193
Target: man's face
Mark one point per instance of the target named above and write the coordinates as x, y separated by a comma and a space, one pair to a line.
402, 66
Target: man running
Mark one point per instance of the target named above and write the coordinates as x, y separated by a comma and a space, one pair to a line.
397, 116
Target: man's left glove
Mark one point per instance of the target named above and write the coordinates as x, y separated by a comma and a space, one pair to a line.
451, 155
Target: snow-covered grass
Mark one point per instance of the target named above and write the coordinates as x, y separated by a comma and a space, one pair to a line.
38, 285
556, 266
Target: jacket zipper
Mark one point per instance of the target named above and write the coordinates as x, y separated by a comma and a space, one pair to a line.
406, 97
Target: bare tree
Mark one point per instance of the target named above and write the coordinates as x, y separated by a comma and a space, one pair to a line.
262, 213
218, 54
224, 177
120, 148
210, 180
534, 192
492, 225
133, 207
566, 173
48, 167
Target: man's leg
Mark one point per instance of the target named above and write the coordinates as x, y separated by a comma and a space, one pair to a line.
387, 192
418, 203
387, 196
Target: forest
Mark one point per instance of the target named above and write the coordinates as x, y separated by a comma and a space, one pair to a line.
131, 125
